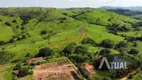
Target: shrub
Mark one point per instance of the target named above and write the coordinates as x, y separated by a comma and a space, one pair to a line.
65, 14
27, 55
114, 28
138, 24
45, 52
22, 28
69, 49
2, 42
23, 36
107, 43
125, 28
20, 37
130, 39
23, 72
7, 23
31, 72
135, 44
121, 44
61, 21
25, 19
43, 32
81, 50
64, 18
13, 39
14, 21
79, 58
105, 51
133, 51
17, 26
17, 67
89, 41
0, 20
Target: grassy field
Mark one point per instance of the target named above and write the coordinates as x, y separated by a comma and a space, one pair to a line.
6, 72
59, 28
26, 30
99, 33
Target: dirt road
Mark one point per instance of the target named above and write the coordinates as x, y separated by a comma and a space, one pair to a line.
81, 37
133, 72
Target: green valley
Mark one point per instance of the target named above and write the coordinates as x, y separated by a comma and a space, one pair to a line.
76, 36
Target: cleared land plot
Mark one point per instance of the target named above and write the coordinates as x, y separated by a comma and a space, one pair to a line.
54, 71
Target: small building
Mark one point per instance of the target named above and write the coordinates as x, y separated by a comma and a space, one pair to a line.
89, 68
34, 60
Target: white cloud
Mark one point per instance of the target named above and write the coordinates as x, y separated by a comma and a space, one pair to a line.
70, 0
35, 1
107, 1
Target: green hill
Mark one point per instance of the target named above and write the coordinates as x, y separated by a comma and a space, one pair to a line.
24, 31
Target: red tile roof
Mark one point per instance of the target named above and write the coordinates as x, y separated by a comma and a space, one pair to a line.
34, 60
89, 68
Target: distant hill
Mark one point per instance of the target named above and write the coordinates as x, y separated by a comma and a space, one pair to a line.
139, 8
25, 30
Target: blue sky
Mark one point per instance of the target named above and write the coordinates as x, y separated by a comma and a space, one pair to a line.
69, 3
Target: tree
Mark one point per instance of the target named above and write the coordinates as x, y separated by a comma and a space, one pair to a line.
121, 44
107, 43
17, 66
27, 55
135, 44
130, 39
22, 28
65, 14
1, 42
25, 19
17, 26
138, 24
7, 23
133, 51
43, 32
81, 50
69, 49
23, 72
14, 21
45, 52
79, 58
113, 28
11, 40
105, 51
63, 18
89, 41
125, 28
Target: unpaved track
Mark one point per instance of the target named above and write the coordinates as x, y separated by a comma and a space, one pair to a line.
77, 39
133, 72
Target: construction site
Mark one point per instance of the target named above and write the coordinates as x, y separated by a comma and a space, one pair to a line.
61, 70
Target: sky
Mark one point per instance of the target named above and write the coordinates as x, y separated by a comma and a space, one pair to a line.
69, 3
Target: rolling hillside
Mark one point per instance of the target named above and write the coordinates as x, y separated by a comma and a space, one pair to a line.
24, 31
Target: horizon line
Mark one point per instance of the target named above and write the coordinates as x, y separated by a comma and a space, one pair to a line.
62, 7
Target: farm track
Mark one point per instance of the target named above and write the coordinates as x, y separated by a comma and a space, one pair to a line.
77, 39
133, 72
